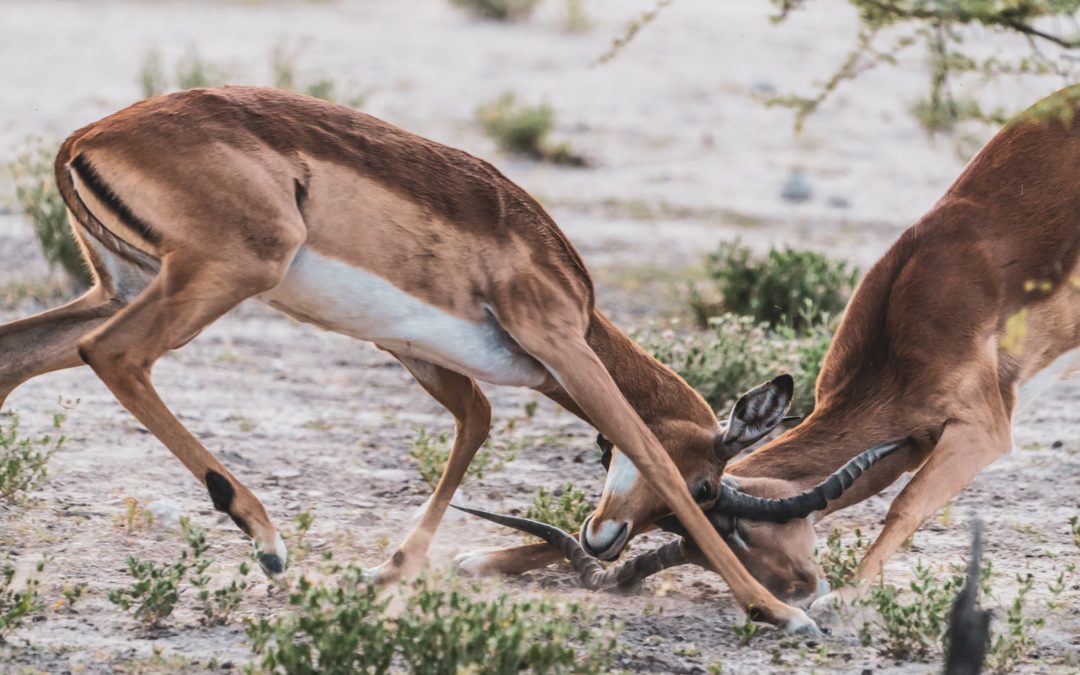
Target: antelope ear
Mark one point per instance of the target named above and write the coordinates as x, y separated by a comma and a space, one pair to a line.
605, 448
755, 414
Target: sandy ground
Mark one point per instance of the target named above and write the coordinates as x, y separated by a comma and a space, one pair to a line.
684, 157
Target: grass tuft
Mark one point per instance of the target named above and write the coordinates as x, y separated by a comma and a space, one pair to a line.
23, 460
40, 201
521, 129
499, 10
566, 508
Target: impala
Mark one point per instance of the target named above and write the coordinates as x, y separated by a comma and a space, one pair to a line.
187, 204
973, 312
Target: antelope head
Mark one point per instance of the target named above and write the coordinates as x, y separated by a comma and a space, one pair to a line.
700, 448
770, 530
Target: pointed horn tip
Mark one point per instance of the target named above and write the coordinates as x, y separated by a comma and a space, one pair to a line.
548, 533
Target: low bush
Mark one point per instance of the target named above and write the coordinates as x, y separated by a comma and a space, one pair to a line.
431, 452
17, 604
737, 353
219, 604
499, 10
787, 287
344, 627
521, 129
283, 60
840, 561
24, 460
43, 207
193, 71
566, 508
157, 588
912, 621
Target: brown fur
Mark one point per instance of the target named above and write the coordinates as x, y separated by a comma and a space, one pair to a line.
189, 203
972, 301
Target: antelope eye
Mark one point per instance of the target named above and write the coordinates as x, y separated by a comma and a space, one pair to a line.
705, 492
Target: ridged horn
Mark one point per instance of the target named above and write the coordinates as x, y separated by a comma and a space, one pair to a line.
593, 576
736, 503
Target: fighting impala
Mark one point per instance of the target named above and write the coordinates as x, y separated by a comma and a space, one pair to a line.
187, 204
971, 314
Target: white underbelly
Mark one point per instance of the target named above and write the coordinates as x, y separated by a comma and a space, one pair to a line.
349, 300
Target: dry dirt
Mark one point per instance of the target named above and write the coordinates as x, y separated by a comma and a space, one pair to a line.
684, 157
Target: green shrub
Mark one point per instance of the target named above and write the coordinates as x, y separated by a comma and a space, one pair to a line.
152, 78
840, 562
444, 632
736, 353
912, 621
283, 63
432, 452
499, 10
17, 605
521, 129
157, 588
219, 604
193, 71
788, 287
1008, 647
344, 627
23, 460
567, 513
330, 629
42, 205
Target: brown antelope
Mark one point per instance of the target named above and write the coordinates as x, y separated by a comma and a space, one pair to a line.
972, 313
187, 204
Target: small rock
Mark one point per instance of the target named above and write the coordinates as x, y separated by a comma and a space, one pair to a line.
1057, 444
763, 88
796, 188
166, 512
282, 474
838, 202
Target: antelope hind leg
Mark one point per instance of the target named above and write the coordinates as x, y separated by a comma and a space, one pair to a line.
186, 296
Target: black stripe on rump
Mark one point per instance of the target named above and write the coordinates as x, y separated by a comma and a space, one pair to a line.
105, 195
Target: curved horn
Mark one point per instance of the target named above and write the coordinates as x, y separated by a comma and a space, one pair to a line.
734, 502
593, 575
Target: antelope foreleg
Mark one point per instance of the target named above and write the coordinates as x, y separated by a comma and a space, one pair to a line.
472, 412
962, 452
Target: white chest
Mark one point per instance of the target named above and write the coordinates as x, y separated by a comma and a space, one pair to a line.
349, 300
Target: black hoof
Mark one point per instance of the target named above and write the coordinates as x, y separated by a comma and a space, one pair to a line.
271, 564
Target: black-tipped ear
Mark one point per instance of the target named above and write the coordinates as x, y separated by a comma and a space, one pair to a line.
605, 448
756, 413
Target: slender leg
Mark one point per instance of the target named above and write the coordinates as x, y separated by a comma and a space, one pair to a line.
566, 354
50, 341
460, 395
962, 452
186, 296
